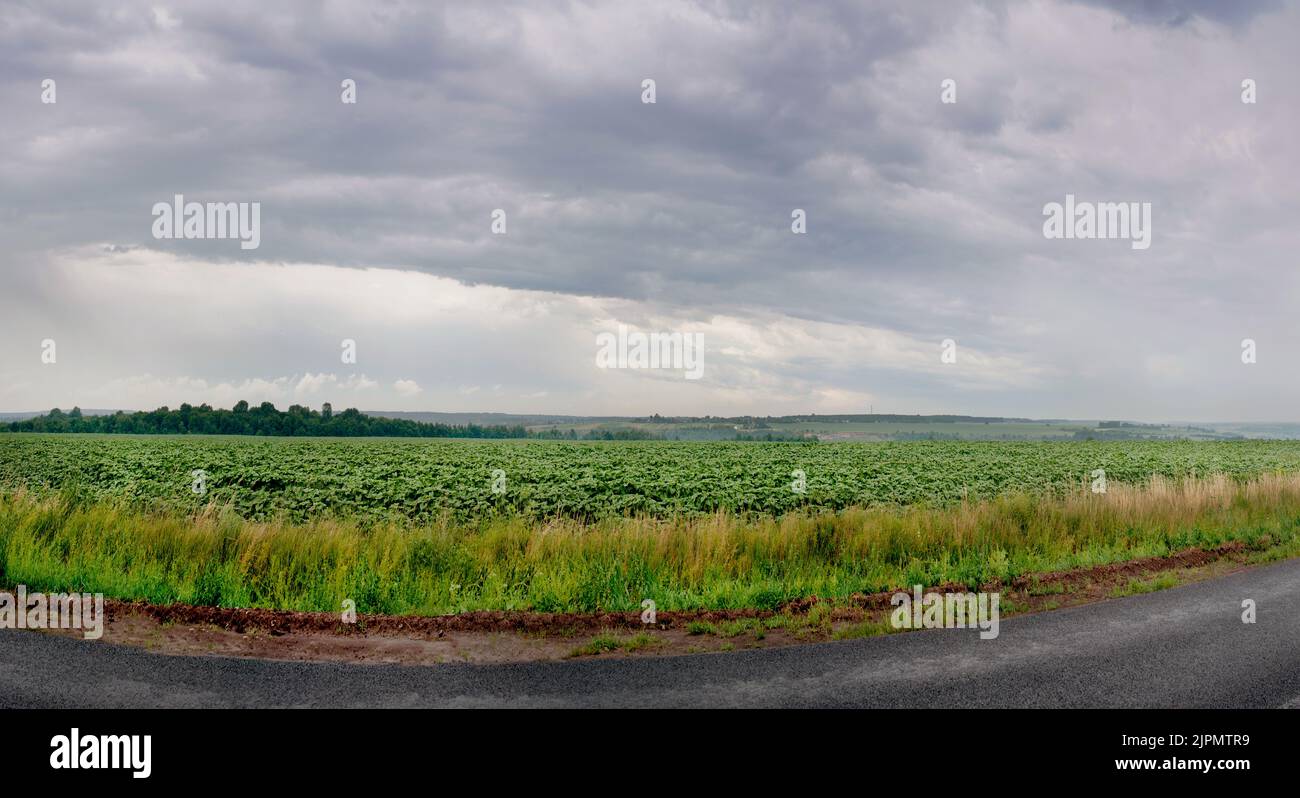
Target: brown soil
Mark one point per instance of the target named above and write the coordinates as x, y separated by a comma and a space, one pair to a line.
521, 636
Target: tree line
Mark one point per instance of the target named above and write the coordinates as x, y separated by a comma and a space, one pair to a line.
264, 419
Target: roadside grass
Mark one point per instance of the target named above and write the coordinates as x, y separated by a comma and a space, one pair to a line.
612, 641
815, 622
1269, 551
216, 558
1010, 607
740, 627
1048, 589
1138, 586
598, 645
870, 628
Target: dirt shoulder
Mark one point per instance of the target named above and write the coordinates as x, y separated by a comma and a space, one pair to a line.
489, 637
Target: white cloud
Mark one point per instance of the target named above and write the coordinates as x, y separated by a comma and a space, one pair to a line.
406, 387
545, 343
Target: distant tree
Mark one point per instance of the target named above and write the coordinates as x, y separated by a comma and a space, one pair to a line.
297, 420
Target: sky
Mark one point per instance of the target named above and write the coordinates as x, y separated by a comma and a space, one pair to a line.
923, 281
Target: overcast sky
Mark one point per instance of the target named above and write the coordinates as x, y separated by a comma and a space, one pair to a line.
924, 218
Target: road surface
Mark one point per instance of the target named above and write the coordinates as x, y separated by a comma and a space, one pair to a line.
1183, 647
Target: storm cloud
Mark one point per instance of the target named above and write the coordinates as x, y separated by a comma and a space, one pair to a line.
924, 218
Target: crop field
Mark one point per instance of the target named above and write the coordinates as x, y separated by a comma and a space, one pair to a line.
467, 481
414, 526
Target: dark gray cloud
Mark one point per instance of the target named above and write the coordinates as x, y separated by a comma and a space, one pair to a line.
1174, 13
924, 219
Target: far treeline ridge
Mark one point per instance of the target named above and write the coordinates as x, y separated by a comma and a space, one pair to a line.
265, 419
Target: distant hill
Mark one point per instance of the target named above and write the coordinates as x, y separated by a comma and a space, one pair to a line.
859, 427
23, 415
265, 419
489, 419
537, 419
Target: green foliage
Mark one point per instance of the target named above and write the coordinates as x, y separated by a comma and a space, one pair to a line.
419, 481
414, 525
297, 421
1137, 586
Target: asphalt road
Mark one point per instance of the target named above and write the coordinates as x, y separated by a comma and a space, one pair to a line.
1184, 647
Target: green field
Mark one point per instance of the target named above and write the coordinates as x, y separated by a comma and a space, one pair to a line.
412, 526
421, 480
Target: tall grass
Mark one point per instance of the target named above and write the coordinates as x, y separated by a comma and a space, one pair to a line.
69, 542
